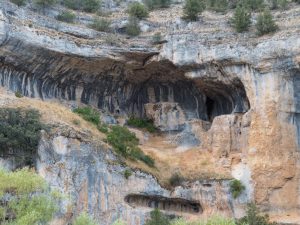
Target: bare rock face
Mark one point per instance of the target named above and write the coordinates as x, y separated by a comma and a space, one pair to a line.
93, 181
166, 116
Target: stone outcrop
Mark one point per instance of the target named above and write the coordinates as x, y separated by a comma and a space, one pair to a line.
92, 179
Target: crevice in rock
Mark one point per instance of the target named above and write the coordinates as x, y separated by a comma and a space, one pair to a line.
164, 203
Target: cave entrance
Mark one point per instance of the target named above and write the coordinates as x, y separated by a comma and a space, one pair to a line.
163, 203
210, 104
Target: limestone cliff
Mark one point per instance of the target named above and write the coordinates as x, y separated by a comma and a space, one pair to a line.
236, 95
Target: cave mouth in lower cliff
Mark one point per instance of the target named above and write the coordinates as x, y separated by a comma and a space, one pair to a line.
163, 203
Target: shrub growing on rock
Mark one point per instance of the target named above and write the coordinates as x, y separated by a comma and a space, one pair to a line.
141, 123
217, 5
66, 16
101, 24
89, 114
19, 2
157, 218
241, 20
192, 8
265, 23
155, 4
25, 206
90, 5
84, 219
137, 10
20, 131
133, 27
253, 5
236, 188
176, 179
254, 217
44, 3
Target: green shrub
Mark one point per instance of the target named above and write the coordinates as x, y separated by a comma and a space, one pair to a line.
44, 3
25, 207
101, 24
103, 128
126, 143
18, 94
19, 2
76, 122
236, 188
137, 10
127, 173
253, 4
192, 8
73, 4
155, 4
218, 5
85, 5
176, 179
157, 218
241, 20
132, 27
66, 16
142, 123
279, 4
253, 217
265, 23
89, 114
91, 5
157, 38
84, 219
20, 131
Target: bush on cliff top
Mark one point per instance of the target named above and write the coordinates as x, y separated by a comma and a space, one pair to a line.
141, 123
66, 16
192, 8
241, 20
265, 23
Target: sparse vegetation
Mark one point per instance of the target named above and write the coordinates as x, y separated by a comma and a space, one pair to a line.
19, 2
253, 217
142, 123
18, 94
157, 218
84, 219
137, 10
89, 114
133, 27
155, 4
214, 220
101, 24
192, 8
157, 38
241, 20
217, 5
76, 122
44, 3
236, 188
127, 173
253, 5
265, 23
66, 16
85, 5
126, 143
24, 207
176, 179
20, 130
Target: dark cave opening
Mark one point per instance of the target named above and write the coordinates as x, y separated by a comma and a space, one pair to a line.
164, 203
210, 104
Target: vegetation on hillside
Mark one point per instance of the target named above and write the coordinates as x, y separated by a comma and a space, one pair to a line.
66, 16
137, 10
120, 138
241, 19
29, 203
20, 130
101, 24
142, 123
156, 4
265, 23
192, 8
84, 219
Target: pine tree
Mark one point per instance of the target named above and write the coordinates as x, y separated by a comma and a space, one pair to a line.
265, 23
241, 19
192, 8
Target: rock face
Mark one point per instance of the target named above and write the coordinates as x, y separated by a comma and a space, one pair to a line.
92, 179
239, 94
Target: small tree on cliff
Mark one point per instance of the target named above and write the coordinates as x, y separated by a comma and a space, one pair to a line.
241, 20
157, 218
265, 23
192, 8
